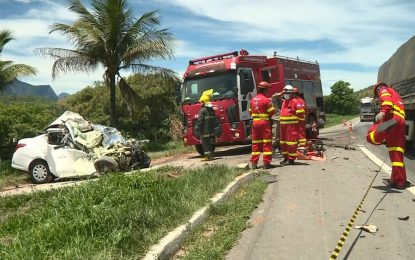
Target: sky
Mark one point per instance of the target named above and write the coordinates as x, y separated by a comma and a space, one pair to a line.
349, 39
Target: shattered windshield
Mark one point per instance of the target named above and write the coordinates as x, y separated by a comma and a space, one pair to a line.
223, 85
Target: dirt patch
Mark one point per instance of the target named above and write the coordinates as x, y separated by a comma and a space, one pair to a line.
6, 241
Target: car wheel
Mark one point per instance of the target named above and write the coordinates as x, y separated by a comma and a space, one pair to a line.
39, 172
106, 164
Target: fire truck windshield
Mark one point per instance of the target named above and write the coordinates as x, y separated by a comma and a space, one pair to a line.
224, 86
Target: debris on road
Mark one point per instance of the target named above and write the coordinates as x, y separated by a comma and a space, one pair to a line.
368, 228
403, 218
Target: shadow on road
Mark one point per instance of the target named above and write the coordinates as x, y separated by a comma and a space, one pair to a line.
228, 151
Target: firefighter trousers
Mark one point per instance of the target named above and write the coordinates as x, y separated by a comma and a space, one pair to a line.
289, 140
261, 135
394, 139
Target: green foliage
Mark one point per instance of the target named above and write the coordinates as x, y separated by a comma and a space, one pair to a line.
10, 176
22, 120
214, 238
9, 71
109, 35
341, 100
116, 217
156, 107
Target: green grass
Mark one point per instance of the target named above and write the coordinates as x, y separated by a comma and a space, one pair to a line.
10, 176
334, 119
116, 217
214, 238
157, 151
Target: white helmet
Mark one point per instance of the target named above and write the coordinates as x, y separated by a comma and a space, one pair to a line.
288, 89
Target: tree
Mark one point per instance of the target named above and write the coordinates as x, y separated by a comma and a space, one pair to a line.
341, 100
9, 71
110, 36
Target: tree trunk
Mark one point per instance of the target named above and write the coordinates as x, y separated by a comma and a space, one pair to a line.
113, 111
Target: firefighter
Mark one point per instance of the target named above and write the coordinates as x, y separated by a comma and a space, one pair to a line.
205, 125
300, 111
261, 110
389, 129
289, 120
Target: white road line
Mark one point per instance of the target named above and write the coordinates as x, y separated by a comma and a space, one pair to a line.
386, 168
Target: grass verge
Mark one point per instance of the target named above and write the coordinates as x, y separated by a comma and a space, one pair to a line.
116, 217
334, 119
10, 176
157, 151
219, 233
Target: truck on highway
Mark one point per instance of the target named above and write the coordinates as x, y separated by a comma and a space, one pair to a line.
399, 72
234, 77
366, 110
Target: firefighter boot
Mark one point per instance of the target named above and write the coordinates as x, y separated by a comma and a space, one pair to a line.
386, 125
268, 166
284, 162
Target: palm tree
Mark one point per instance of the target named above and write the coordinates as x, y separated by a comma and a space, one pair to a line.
110, 36
9, 71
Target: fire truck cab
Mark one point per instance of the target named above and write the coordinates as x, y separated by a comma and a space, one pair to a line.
233, 77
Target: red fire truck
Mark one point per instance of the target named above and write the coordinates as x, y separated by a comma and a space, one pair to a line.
233, 77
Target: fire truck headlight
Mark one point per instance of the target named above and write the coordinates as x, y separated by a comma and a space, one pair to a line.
236, 134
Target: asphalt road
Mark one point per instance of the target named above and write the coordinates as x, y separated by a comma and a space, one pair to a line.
304, 213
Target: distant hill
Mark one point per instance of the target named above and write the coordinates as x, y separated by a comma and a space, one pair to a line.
366, 92
63, 95
20, 88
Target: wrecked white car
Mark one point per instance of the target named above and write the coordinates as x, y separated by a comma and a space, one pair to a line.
72, 147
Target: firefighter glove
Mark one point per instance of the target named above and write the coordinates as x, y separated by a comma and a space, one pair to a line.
379, 116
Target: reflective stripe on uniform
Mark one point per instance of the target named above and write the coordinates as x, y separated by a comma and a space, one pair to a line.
293, 154
288, 122
270, 109
284, 153
260, 115
261, 141
292, 143
287, 118
267, 153
372, 137
387, 103
299, 111
398, 164
399, 114
385, 94
256, 153
258, 119
396, 149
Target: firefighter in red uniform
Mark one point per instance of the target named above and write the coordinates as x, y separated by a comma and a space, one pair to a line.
389, 129
289, 124
261, 110
300, 111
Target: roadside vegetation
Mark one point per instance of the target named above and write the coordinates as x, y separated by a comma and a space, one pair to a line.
10, 177
335, 119
218, 234
116, 217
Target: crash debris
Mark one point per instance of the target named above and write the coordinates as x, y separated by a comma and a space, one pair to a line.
73, 147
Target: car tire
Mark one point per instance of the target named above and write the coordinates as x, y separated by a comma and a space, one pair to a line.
105, 164
39, 172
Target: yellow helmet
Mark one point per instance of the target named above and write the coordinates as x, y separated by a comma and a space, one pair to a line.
205, 97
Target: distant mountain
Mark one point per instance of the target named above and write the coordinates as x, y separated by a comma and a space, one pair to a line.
20, 88
63, 95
